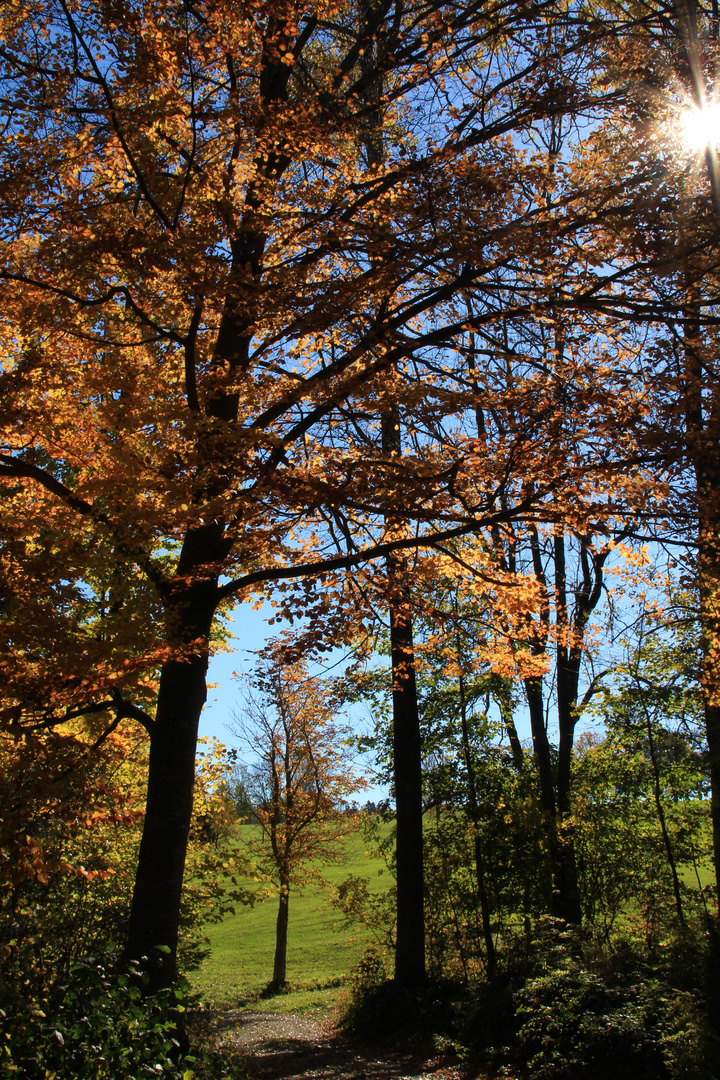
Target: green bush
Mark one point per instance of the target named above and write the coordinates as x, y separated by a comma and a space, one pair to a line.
99, 1025
568, 1011
96, 1026
571, 1022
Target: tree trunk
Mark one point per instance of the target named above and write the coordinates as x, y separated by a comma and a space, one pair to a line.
566, 892
407, 759
543, 762
474, 808
407, 755
155, 911
709, 591
281, 931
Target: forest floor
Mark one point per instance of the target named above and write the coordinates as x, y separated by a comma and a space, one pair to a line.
303, 1046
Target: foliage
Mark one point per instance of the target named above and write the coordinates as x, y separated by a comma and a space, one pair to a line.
93, 1024
238, 290
99, 1024
301, 772
572, 1009
62, 785
641, 812
622, 860
361, 907
241, 291
237, 786
67, 1007
564, 1009
216, 869
82, 824
572, 1019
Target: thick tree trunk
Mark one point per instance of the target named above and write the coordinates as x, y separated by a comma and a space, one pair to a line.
281, 931
709, 590
407, 746
407, 760
155, 911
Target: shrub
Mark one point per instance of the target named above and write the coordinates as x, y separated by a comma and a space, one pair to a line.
380, 1008
96, 1026
567, 1011
571, 1022
102, 1026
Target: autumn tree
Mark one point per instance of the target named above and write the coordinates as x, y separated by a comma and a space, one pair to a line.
202, 321
660, 302
301, 776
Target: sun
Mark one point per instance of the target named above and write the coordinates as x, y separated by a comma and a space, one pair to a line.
700, 126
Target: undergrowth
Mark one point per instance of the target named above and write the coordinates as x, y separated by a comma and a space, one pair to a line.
561, 1008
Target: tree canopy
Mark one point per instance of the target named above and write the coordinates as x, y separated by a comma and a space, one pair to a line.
215, 294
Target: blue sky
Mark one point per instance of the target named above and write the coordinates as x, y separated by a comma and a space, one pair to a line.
250, 632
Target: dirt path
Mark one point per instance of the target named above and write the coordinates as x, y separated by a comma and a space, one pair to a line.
300, 1046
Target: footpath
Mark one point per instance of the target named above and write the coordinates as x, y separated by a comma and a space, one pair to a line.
298, 1046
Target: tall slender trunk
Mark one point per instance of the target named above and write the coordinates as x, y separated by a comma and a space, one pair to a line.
555, 785
543, 763
660, 810
541, 744
474, 807
566, 891
281, 932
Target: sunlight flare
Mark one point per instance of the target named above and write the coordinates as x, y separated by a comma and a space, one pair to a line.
700, 127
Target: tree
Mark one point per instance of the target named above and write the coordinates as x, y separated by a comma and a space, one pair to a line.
568, 597
190, 225
301, 779
653, 717
660, 301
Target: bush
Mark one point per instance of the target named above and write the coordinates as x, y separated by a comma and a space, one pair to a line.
103, 1026
571, 1022
380, 1008
567, 1011
97, 1026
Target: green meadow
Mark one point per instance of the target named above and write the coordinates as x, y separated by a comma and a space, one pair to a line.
320, 953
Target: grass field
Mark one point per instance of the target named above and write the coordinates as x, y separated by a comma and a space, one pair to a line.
319, 957
320, 954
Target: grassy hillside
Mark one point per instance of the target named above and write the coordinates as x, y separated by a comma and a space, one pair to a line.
319, 954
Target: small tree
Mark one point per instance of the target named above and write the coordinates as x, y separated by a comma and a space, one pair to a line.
301, 778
